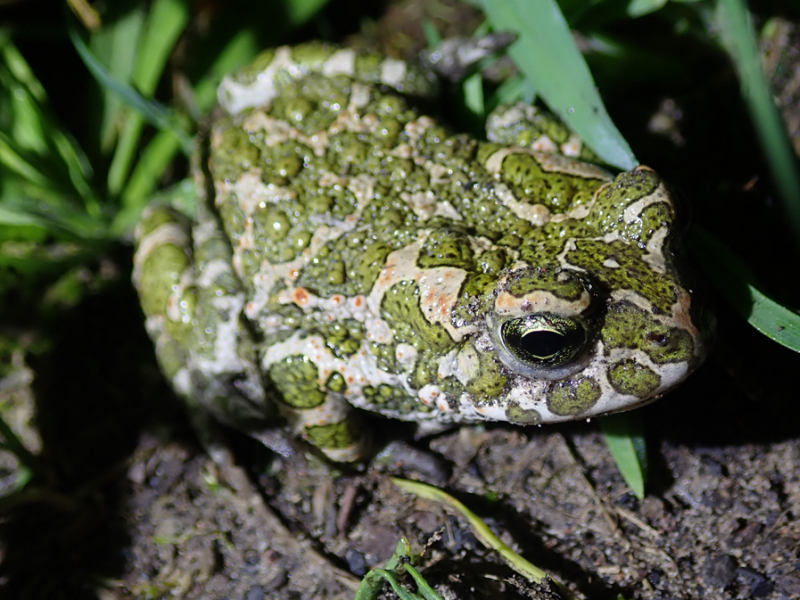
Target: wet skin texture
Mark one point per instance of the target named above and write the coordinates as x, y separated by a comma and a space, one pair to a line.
348, 251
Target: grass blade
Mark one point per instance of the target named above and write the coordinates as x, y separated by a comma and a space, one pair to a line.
118, 40
481, 530
738, 284
144, 179
165, 23
625, 439
546, 54
153, 112
737, 35
37, 148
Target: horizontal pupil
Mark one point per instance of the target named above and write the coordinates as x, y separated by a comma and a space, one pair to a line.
543, 344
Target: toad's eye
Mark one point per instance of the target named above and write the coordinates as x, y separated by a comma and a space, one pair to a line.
543, 340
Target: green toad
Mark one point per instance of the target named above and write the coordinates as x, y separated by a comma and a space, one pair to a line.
350, 252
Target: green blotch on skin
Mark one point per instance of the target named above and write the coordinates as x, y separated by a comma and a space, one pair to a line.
633, 273
312, 55
160, 272
424, 371
276, 224
446, 248
343, 337
475, 298
383, 394
171, 356
488, 382
557, 191
385, 357
340, 435
573, 396
385, 397
279, 230
401, 309
296, 110
162, 215
370, 262
631, 377
492, 262
608, 213
652, 219
522, 416
627, 188
349, 266
336, 383
563, 283
297, 380
234, 154
182, 328
628, 326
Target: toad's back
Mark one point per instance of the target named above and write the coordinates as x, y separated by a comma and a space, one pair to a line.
349, 251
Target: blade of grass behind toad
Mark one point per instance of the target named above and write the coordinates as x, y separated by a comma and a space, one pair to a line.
117, 40
34, 132
546, 54
625, 439
737, 35
44, 175
164, 145
165, 22
739, 286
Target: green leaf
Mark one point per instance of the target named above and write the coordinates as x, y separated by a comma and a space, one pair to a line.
639, 8
739, 286
546, 54
625, 439
165, 22
472, 88
479, 528
17, 218
144, 180
153, 112
118, 40
299, 12
36, 147
737, 35
427, 592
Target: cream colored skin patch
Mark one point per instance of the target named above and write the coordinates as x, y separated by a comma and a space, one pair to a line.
361, 251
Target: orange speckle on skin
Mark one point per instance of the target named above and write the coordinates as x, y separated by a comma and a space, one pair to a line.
301, 297
337, 299
358, 301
